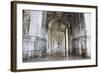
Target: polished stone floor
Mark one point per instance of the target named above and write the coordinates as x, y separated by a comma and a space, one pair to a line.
54, 58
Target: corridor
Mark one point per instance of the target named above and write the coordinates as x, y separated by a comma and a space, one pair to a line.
55, 36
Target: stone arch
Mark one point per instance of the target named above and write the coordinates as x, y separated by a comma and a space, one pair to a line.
53, 35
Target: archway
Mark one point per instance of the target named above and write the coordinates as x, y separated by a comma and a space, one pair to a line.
57, 39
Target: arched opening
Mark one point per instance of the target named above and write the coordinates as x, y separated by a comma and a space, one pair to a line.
57, 39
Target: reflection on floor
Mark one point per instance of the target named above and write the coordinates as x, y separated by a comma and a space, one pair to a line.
57, 57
